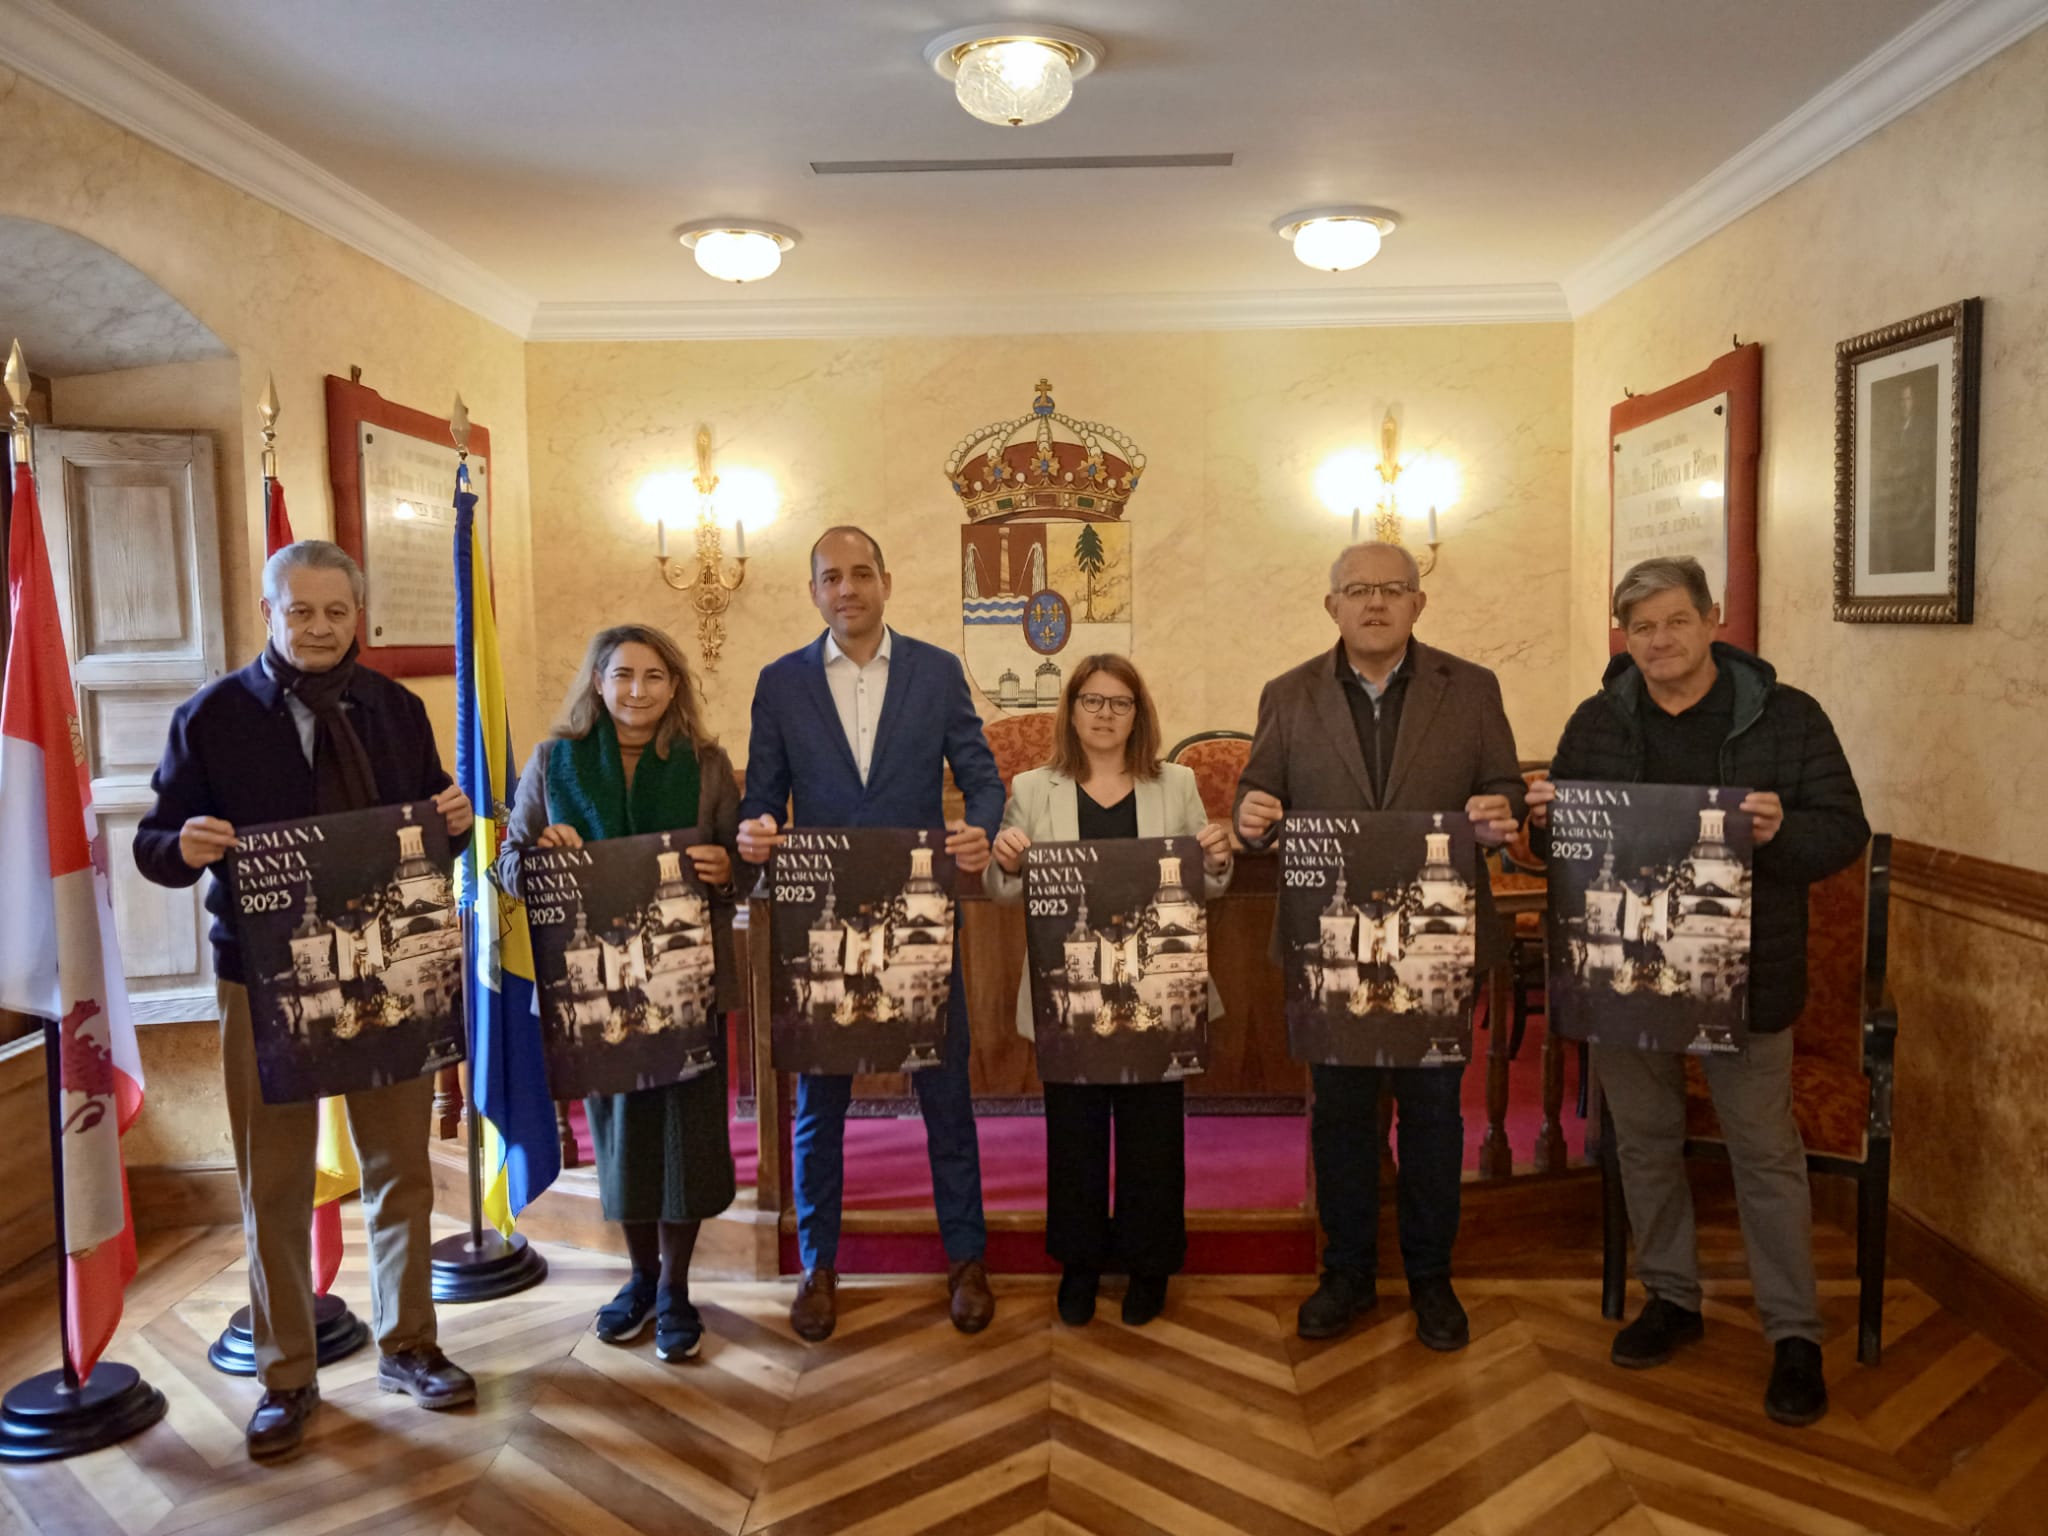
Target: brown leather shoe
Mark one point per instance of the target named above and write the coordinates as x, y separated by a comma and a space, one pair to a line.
279, 1422
973, 1306
433, 1380
815, 1312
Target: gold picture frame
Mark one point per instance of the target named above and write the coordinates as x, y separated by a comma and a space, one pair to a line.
1906, 469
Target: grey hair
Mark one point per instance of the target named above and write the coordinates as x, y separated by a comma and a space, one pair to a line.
311, 555
1407, 559
1646, 578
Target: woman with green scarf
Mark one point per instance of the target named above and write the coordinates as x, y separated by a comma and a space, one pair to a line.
630, 755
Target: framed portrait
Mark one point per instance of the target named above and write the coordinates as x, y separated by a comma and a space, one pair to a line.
1906, 470
1682, 480
393, 473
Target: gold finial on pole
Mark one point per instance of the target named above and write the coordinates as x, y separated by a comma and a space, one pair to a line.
458, 426
266, 407
17, 395
707, 482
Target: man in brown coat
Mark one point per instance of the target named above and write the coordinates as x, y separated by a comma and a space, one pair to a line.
1382, 722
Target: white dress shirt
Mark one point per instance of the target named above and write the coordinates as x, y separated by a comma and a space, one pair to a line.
857, 691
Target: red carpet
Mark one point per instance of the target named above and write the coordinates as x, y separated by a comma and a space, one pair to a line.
1234, 1163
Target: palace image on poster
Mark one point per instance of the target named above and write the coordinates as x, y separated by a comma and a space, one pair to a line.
1119, 959
352, 949
624, 953
1649, 916
861, 930
1378, 919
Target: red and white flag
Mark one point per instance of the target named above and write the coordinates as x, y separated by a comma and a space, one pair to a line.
58, 955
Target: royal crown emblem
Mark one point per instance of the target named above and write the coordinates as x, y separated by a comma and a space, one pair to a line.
1045, 555
1045, 461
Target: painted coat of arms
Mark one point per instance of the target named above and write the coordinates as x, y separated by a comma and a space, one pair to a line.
1045, 556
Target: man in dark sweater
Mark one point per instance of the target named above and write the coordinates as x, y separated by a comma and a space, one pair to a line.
1382, 722
1680, 707
303, 731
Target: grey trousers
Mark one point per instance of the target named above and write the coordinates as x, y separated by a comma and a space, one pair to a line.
275, 1145
1753, 1098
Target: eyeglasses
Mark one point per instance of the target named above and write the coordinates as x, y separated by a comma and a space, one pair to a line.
1362, 591
1095, 703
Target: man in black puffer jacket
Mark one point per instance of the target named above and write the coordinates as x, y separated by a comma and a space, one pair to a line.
1680, 707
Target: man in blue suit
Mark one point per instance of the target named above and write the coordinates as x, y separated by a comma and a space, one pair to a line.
855, 730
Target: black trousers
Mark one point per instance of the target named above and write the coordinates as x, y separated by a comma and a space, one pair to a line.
1429, 1148
1149, 1233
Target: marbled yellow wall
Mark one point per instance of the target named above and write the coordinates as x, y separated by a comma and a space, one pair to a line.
292, 302
1947, 728
1232, 545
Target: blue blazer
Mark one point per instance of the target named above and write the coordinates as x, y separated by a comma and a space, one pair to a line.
798, 755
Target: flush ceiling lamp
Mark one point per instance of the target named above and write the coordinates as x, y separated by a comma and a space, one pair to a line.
1014, 75
735, 252
1335, 239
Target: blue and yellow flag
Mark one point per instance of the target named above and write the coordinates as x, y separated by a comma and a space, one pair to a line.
508, 1074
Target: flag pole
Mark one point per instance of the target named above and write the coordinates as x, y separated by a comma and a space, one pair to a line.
54, 1414
337, 1331
477, 1265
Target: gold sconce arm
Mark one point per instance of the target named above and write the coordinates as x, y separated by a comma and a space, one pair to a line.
708, 578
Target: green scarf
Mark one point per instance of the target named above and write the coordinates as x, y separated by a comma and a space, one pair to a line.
587, 786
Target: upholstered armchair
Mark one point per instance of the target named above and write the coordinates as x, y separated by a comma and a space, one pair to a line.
1217, 758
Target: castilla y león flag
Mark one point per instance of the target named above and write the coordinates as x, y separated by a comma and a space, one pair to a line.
58, 956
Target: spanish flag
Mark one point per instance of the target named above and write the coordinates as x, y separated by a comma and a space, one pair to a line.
335, 1174
508, 1074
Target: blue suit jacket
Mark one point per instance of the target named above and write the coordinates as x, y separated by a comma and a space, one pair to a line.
798, 753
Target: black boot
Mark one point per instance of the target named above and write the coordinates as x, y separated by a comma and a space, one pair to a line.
1077, 1295
1655, 1334
1144, 1299
1440, 1320
1798, 1393
1343, 1294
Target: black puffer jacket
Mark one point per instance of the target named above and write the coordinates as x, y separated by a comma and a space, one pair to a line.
1783, 742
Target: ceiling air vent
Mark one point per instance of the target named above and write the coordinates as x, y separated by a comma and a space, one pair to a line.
1022, 163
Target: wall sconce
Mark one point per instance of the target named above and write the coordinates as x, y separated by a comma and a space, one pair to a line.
1394, 487
664, 498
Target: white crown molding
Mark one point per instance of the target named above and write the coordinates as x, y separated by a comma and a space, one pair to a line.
63, 53
1942, 46
1038, 315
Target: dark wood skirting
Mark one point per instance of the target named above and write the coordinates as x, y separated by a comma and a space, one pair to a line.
2003, 888
2000, 1308
163, 1195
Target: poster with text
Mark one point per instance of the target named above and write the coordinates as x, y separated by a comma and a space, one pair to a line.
1649, 916
1118, 939
861, 939
1378, 919
351, 948
624, 953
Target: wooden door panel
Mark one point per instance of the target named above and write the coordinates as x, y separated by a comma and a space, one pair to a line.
135, 558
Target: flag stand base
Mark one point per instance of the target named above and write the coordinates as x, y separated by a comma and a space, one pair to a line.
337, 1334
483, 1267
45, 1418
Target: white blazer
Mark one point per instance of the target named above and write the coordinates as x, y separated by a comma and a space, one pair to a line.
1046, 805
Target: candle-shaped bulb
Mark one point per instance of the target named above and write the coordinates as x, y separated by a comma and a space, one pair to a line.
1432, 525
739, 538
661, 537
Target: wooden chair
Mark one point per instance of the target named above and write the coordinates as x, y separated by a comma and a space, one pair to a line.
1217, 757
1841, 1083
1021, 742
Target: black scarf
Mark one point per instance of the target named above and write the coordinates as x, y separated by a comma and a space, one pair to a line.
343, 779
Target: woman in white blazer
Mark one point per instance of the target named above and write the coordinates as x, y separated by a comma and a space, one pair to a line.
1105, 779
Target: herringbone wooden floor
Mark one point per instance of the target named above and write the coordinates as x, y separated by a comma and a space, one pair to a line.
1214, 1419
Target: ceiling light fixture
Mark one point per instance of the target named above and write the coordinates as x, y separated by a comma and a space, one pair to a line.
735, 252
1335, 239
1013, 76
